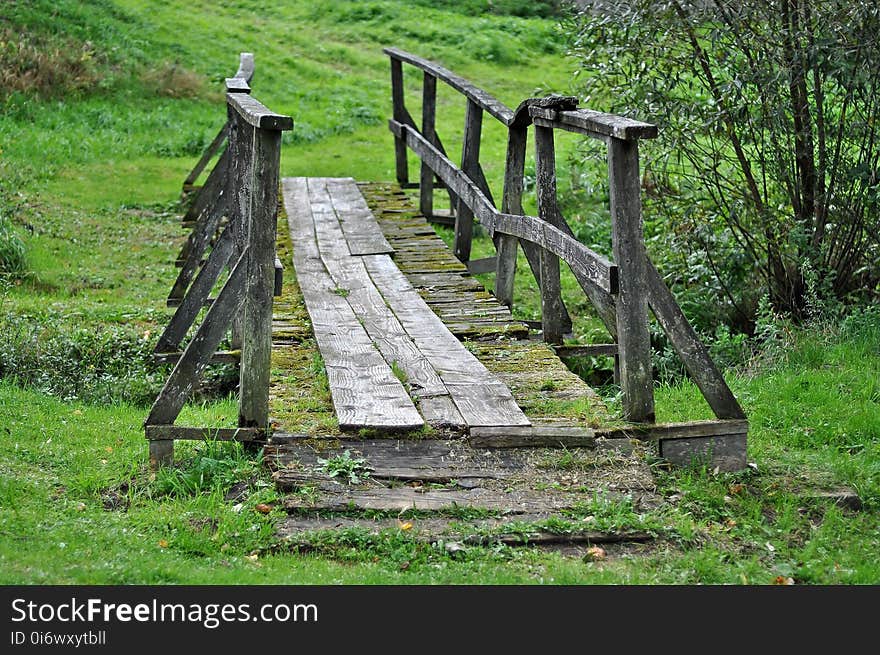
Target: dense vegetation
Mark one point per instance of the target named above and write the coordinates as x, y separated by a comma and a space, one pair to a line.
107, 108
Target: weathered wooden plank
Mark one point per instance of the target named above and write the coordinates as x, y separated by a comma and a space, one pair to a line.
245, 66
370, 308
205, 230
257, 114
197, 356
365, 391
164, 432
406, 498
506, 245
690, 349
209, 152
552, 313
429, 113
256, 349
362, 233
724, 452
473, 93
470, 162
426, 460
477, 394
197, 296
398, 110
593, 123
211, 190
538, 436
683, 430
480, 266
220, 357
522, 117
161, 453
237, 85
587, 350
240, 187
628, 245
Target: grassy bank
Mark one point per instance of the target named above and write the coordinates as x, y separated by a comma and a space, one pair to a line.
90, 172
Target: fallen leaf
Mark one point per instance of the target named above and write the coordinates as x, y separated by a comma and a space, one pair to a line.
263, 508
80, 507
77, 412
252, 557
595, 554
404, 566
109, 449
782, 580
730, 523
237, 507
404, 525
736, 488
770, 547
163, 543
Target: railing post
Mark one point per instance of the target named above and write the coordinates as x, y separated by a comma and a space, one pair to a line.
260, 284
399, 112
552, 308
628, 244
429, 112
470, 164
506, 246
241, 137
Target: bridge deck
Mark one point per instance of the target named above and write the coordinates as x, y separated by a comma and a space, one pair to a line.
391, 362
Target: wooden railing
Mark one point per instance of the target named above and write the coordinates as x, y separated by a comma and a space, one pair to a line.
621, 291
234, 214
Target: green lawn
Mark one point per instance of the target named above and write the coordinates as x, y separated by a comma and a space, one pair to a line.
90, 173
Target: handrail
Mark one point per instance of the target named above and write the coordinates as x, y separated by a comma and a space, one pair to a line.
243, 188
485, 100
622, 291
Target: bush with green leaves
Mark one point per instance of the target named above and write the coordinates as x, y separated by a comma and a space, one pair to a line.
768, 162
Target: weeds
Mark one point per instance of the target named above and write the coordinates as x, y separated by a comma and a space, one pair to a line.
352, 470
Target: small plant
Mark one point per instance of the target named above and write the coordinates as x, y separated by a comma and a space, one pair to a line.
399, 373
352, 469
341, 292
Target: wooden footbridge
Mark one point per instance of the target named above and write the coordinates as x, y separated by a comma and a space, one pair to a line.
433, 382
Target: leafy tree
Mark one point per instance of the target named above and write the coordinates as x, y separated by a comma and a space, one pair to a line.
768, 164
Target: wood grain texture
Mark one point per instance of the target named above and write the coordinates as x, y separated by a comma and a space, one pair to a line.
682, 430
593, 123
256, 348
257, 114
369, 307
690, 349
429, 115
724, 452
538, 436
628, 244
552, 307
365, 391
478, 395
362, 233
398, 110
197, 296
470, 162
197, 356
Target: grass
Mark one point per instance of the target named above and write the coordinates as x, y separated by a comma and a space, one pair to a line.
91, 193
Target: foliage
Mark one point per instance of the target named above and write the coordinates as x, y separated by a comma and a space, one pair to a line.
111, 364
351, 470
768, 164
